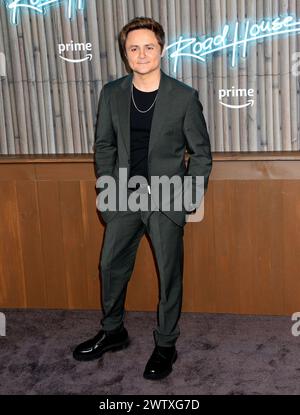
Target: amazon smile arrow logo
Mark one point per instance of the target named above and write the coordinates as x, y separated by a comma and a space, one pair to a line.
89, 56
237, 107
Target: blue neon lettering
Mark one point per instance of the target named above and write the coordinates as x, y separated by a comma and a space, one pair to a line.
39, 6
232, 40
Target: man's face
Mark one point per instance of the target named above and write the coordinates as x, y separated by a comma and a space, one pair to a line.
143, 51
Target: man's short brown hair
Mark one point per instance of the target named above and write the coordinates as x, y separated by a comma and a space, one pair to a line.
140, 23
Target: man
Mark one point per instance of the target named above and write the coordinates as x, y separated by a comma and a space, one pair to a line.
146, 122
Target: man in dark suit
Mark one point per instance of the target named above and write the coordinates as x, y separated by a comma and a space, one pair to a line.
146, 121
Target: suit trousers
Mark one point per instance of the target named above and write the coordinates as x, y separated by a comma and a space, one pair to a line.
121, 240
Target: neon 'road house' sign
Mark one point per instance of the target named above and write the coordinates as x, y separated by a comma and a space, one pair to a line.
41, 6
234, 38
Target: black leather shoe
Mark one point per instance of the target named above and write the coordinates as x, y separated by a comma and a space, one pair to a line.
160, 363
104, 341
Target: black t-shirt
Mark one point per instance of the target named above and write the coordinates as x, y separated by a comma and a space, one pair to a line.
140, 127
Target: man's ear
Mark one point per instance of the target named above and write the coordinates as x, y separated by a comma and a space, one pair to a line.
163, 52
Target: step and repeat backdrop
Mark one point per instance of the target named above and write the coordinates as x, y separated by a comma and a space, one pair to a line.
243, 56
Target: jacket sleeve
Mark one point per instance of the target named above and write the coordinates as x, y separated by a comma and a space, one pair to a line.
197, 142
105, 149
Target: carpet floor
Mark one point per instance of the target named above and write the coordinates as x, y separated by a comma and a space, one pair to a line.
218, 354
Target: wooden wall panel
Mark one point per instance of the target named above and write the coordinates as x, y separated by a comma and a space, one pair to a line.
73, 244
244, 257
200, 262
93, 232
248, 221
267, 224
52, 242
227, 285
31, 243
289, 245
12, 282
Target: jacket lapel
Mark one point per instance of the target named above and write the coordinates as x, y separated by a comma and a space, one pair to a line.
161, 106
124, 102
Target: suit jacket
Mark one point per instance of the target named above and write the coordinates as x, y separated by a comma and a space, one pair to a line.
178, 124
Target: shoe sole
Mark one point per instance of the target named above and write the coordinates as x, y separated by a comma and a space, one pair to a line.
161, 375
114, 348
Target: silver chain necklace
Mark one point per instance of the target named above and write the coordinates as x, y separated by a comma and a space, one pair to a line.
142, 112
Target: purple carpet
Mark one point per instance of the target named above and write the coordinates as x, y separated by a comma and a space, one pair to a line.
217, 355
